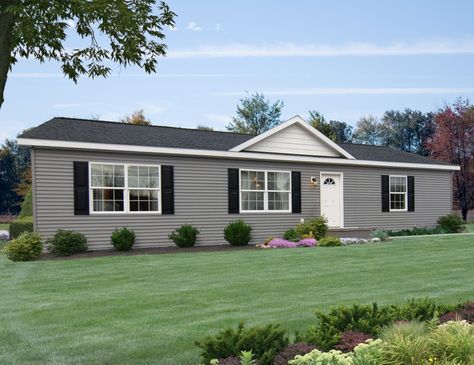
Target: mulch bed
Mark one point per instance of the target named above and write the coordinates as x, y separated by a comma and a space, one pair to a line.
148, 251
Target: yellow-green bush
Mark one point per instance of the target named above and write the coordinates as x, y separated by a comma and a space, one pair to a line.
26, 247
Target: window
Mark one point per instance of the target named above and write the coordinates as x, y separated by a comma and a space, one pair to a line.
398, 193
329, 181
124, 188
263, 191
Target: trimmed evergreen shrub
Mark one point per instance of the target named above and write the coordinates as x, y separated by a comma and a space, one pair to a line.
20, 225
381, 234
184, 236
237, 233
66, 243
316, 227
26, 247
123, 239
27, 205
264, 342
330, 241
291, 235
451, 223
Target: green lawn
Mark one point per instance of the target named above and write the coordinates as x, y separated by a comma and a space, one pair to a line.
470, 227
150, 309
4, 226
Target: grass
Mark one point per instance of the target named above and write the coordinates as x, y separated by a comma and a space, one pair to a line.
4, 226
470, 227
150, 309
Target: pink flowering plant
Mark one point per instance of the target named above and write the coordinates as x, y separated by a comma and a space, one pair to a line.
282, 243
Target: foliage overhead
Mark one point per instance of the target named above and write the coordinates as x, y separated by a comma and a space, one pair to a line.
256, 115
127, 32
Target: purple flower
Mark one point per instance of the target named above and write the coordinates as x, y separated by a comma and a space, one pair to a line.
307, 242
282, 243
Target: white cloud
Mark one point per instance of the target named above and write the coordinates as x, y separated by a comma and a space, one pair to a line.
441, 47
192, 26
359, 91
218, 27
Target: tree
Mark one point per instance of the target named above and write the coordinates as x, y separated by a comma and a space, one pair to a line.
256, 115
407, 130
15, 177
204, 128
368, 131
453, 141
136, 118
337, 131
122, 31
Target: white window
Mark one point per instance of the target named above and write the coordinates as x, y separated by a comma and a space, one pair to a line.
398, 193
123, 188
265, 191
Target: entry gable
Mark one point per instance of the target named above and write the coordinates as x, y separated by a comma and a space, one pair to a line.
294, 137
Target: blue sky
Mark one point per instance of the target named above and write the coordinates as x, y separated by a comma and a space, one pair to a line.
346, 59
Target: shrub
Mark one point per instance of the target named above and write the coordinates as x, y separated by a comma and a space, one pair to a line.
466, 313
237, 233
66, 243
18, 226
453, 341
317, 357
123, 239
291, 235
317, 227
416, 231
368, 353
369, 319
350, 339
326, 333
27, 205
26, 247
291, 351
231, 360
330, 241
451, 223
184, 236
405, 343
264, 342
380, 234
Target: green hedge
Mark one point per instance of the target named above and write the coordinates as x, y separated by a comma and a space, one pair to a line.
20, 225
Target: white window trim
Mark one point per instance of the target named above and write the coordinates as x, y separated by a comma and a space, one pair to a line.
126, 190
390, 193
265, 192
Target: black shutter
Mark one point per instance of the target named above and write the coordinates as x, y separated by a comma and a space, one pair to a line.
411, 193
81, 188
233, 186
385, 193
167, 189
296, 192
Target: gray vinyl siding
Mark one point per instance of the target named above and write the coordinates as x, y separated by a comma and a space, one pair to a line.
201, 198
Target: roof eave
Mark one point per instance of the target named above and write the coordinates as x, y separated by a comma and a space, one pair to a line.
225, 154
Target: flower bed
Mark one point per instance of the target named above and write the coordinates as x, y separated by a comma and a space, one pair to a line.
282, 243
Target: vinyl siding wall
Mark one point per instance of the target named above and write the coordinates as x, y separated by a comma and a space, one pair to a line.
201, 198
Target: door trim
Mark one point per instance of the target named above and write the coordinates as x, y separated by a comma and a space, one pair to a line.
341, 194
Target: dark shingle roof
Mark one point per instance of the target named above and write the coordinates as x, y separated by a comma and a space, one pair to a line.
83, 130
94, 131
386, 154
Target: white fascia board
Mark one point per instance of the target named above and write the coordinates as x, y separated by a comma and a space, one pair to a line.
225, 154
295, 120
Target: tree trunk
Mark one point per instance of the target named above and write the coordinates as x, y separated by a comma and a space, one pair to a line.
7, 21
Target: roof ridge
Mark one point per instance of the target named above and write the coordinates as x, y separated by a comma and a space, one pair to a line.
152, 125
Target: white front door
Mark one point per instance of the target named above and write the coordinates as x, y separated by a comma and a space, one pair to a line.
331, 199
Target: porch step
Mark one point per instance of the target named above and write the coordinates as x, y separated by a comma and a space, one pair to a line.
352, 232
